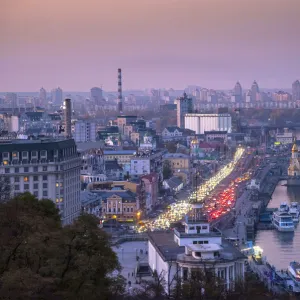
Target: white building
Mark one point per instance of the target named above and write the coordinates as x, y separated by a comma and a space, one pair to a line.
208, 122
47, 169
84, 132
180, 253
285, 137
146, 162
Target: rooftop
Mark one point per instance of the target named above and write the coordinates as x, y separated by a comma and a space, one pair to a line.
205, 248
164, 243
119, 152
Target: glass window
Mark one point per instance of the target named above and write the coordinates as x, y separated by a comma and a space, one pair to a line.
5, 155
17, 187
15, 155
7, 170
36, 193
43, 153
26, 169
36, 186
45, 185
44, 168
35, 169
24, 154
34, 154
26, 186
45, 177
17, 179
45, 193
35, 178
17, 170
26, 179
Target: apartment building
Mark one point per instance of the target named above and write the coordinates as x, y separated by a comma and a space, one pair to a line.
47, 169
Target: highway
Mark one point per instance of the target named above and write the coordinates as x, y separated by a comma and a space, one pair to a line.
218, 196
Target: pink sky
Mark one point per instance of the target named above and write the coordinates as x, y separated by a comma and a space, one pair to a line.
77, 44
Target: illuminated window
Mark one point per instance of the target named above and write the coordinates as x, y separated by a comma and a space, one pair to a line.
61, 199
57, 184
26, 179
5, 162
57, 200
15, 154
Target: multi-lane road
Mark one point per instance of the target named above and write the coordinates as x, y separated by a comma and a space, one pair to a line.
217, 195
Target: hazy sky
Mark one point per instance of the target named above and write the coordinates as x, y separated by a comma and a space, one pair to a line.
77, 44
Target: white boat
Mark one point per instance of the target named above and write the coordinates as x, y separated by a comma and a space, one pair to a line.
294, 271
294, 211
283, 221
295, 205
283, 207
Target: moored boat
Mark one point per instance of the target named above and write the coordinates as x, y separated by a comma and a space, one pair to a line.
294, 211
294, 271
283, 221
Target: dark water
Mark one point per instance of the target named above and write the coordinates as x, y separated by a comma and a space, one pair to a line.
281, 248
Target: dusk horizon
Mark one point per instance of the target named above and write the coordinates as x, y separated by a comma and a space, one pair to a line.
157, 44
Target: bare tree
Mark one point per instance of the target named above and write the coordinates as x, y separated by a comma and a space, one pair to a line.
5, 189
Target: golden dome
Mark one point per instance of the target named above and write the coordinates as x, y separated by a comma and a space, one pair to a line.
295, 148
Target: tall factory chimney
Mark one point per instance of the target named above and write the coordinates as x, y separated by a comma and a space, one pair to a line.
68, 116
120, 104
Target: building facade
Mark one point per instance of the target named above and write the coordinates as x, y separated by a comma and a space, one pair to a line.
85, 131
47, 169
208, 122
296, 90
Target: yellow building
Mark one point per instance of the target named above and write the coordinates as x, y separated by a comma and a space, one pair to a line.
294, 167
178, 161
120, 205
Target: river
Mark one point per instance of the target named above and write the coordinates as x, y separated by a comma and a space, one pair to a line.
281, 248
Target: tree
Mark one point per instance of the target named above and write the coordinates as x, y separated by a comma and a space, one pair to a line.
5, 189
40, 259
167, 170
171, 146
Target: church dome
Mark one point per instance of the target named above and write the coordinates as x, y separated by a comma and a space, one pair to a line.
295, 148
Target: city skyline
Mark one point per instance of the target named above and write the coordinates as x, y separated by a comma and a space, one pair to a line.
168, 44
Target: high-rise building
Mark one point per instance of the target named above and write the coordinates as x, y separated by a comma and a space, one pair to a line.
296, 90
68, 117
208, 122
254, 91
85, 131
96, 95
184, 106
47, 169
57, 96
120, 99
203, 95
12, 100
238, 92
43, 97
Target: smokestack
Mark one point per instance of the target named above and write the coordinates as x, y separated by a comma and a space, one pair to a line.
68, 115
120, 104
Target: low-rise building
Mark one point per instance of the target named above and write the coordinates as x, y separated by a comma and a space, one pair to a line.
144, 163
149, 191
181, 253
91, 203
117, 204
174, 133
174, 184
122, 156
